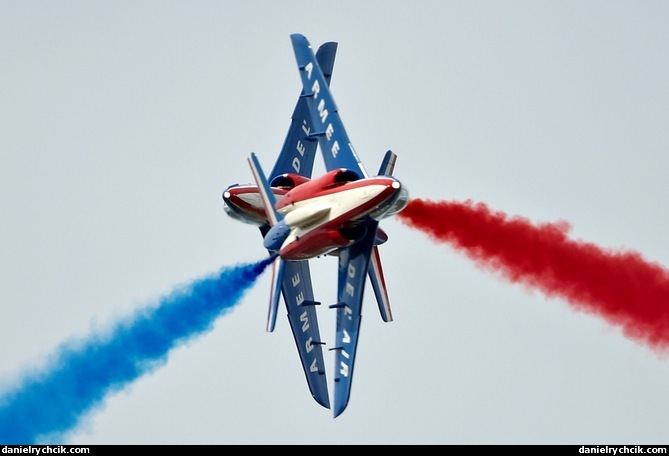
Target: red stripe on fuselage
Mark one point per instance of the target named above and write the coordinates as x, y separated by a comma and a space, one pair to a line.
325, 237
237, 194
325, 185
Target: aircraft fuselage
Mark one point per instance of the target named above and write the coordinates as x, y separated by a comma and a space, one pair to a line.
325, 214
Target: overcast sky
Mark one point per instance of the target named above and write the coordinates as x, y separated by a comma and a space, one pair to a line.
121, 123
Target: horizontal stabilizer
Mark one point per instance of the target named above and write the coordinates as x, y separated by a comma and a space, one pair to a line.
379, 285
326, 57
275, 293
265, 190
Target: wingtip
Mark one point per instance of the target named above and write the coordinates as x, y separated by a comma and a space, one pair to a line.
298, 37
339, 410
324, 402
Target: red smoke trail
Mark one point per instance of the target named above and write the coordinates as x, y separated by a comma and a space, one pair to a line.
620, 286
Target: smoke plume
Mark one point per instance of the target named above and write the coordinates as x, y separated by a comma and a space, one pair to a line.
50, 401
619, 286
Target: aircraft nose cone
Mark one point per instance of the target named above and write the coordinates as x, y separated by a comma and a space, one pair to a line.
276, 236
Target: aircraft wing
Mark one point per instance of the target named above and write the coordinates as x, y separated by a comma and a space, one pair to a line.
299, 148
299, 297
362, 258
353, 267
293, 278
298, 153
337, 150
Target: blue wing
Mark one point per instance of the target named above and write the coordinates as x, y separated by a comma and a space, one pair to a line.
362, 258
353, 266
337, 150
336, 146
294, 280
294, 277
299, 148
299, 298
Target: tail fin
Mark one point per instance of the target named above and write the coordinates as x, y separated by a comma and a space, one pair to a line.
274, 218
375, 269
379, 285
265, 190
388, 164
275, 292
326, 57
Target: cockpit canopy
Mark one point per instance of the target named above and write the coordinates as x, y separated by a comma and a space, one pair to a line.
331, 179
400, 202
288, 180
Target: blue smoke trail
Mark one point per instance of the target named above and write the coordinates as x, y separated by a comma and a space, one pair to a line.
50, 402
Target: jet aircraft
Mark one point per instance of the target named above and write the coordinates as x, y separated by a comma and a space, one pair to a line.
336, 214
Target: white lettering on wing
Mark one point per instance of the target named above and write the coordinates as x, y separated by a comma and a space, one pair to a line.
322, 109
323, 113
304, 318
350, 273
343, 370
299, 299
300, 148
335, 149
316, 89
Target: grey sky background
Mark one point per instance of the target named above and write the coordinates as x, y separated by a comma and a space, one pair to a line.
121, 123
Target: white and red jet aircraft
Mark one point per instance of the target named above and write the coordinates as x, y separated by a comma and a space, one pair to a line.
335, 214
